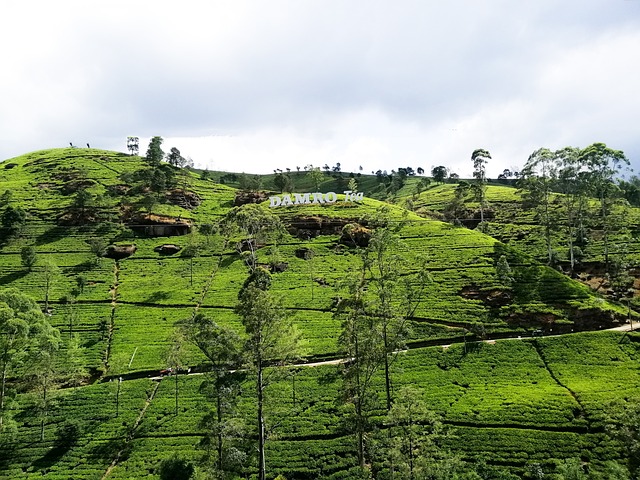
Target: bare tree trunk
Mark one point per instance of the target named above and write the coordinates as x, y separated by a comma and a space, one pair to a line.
219, 416
261, 428
387, 374
44, 412
2, 393
176, 390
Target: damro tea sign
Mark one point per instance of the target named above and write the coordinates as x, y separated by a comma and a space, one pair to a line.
312, 198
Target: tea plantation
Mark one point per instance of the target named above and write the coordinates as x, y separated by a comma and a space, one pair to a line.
525, 370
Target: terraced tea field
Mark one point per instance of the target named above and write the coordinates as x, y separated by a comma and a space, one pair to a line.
513, 402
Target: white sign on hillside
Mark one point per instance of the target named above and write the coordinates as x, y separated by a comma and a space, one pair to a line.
316, 198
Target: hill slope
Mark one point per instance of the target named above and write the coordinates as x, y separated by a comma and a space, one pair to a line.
125, 312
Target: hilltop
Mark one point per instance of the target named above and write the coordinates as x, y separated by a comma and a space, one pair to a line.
122, 255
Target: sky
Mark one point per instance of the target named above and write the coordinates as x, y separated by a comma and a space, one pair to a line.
251, 86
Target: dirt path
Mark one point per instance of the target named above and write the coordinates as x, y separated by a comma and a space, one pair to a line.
157, 375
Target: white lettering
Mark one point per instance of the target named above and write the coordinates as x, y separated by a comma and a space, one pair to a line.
315, 198
274, 201
302, 198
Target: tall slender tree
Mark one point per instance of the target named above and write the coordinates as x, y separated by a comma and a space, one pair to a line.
539, 177
572, 182
257, 224
604, 165
155, 154
394, 297
480, 157
44, 368
363, 353
175, 358
50, 272
133, 145
221, 347
271, 340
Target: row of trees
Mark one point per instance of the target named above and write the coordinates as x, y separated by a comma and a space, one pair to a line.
271, 340
396, 435
579, 175
374, 308
31, 349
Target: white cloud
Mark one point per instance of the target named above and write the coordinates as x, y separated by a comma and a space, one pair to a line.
271, 85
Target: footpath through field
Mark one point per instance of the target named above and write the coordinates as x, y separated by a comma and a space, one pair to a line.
159, 374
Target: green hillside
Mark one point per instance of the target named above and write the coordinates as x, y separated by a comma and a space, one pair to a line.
513, 401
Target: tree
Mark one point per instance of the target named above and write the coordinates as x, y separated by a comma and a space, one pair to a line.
82, 199
81, 282
439, 173
50, 271
20, 320
364, 352
394, 296
73, 362
539, 176
13, 220
5, 198
251, 183
572, 182
190, 251
455, 209
149, 201
133, 145
221, 347
175, 359
604, 165
154, 152
353, 185
315, 175
571, 469
175, 159
503, 272
623, 425
71, 312
480, 157
207, 229
176, 468
283, 182
271, 340
97, 246
28, 257
258, 225
630, 190
414, 433
43, 367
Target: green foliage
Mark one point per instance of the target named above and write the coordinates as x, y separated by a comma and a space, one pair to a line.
175, 159
13, 220
250, 182
439, 173
28, 257
315, 175
176, 468
68, 434
503, 271
509, 402
154, 152
283, 182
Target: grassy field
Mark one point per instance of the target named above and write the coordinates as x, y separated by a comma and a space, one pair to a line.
512, 403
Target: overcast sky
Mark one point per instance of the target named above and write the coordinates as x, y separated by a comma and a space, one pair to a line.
257, 85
